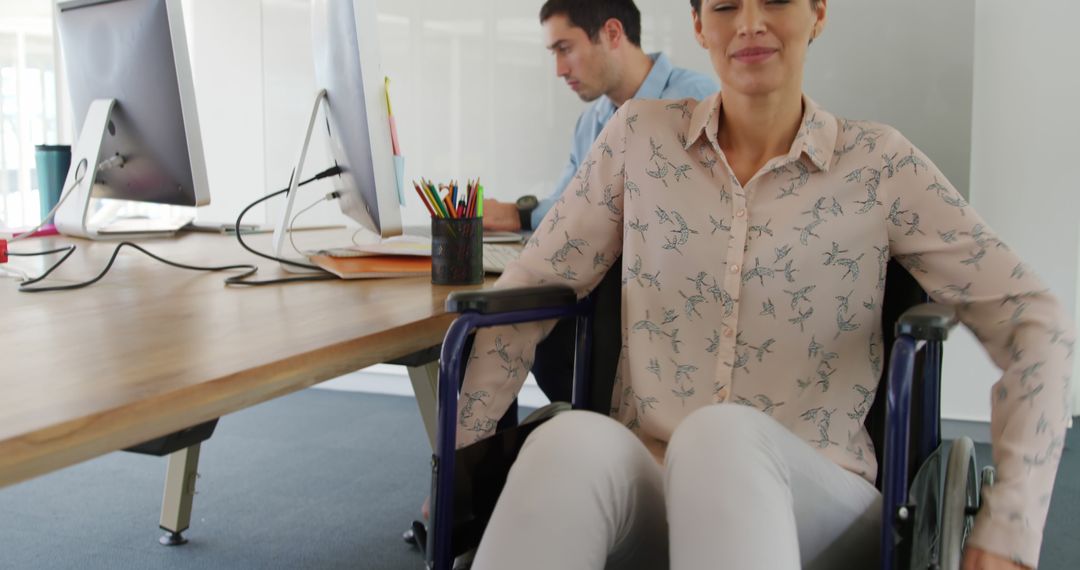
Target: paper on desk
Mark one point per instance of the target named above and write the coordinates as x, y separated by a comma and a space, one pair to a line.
400, 245
374, 266
503, 237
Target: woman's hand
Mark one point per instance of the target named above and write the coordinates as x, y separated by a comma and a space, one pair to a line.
978, 559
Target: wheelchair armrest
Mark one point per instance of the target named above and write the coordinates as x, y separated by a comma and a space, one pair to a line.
928, 321
492, 301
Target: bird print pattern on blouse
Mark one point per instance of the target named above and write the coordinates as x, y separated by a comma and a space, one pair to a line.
768, 294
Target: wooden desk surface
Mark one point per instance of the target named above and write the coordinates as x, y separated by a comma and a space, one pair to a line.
152, 349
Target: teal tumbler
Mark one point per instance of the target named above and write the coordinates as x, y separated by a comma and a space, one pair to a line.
53, 162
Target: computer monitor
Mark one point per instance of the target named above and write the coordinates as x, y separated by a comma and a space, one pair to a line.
129, 76
352, 97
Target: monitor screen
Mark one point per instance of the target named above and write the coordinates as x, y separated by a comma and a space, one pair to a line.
347, 66
135, 52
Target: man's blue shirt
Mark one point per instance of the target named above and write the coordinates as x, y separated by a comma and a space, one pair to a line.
663, 82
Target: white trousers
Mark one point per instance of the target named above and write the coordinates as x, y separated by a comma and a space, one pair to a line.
738, 491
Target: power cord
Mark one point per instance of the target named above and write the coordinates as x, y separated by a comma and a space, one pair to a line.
329, 196
80, 173
25, 284
17, 274
114, 161
323, 275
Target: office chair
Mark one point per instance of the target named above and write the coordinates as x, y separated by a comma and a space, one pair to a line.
930, 494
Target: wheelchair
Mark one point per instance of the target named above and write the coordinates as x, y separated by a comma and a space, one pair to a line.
930, 492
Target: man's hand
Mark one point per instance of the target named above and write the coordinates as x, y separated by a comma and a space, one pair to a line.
978, 559
501, 216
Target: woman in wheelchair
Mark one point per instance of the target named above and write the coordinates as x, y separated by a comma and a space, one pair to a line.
754, 229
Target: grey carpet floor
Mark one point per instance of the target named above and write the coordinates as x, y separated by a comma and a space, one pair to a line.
317, 479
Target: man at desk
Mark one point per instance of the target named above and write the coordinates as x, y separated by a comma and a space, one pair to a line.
597, 48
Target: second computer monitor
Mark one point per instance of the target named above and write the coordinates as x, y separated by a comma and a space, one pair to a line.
347, 66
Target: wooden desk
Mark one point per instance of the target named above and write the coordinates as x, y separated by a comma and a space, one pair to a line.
152, 349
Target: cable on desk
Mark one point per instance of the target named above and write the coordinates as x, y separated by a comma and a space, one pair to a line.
80, 173
25, 285
23, 277
330, 196
13, 272
37, 253
323, 275
114, 161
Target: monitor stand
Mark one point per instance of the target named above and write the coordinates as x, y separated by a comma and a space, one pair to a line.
281, 231
140, 227
73, 217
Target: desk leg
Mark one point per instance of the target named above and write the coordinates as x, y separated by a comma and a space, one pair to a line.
180, 478
425, 382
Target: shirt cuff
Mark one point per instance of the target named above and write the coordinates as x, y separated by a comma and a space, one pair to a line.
1008, 539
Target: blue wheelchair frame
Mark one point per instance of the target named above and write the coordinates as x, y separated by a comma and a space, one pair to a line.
921, 328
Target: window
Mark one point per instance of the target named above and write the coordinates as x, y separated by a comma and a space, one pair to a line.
28, 106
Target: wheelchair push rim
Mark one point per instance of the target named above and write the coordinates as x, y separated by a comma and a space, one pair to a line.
960, 501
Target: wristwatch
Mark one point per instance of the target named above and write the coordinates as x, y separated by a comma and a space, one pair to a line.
525, 206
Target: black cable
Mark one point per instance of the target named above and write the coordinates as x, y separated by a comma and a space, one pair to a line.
235, 280
68, 249
324, 274
240, 280
71, 249
57, 250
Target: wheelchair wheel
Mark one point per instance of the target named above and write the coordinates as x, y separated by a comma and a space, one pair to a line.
959, 502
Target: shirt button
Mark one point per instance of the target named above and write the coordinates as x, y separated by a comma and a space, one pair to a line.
741, 213
728, 333
734, 268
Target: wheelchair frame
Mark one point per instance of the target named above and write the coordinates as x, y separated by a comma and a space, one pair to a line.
920, 328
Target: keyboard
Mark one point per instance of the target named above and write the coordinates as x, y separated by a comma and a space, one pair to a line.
497, 256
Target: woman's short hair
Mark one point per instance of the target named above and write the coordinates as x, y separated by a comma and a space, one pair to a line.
590, 15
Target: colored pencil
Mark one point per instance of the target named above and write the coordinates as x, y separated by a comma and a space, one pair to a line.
434, 195
423, 199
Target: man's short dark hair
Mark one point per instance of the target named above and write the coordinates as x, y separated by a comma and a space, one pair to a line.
590, 15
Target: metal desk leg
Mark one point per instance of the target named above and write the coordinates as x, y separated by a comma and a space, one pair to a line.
180, 478
425, 381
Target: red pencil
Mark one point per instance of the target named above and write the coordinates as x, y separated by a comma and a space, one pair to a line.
423, 199
472, 200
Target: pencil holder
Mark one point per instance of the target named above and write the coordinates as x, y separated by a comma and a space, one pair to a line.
457, 254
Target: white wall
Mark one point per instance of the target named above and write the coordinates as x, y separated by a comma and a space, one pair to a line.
226, 53
887, 61
1025, 123
25, 15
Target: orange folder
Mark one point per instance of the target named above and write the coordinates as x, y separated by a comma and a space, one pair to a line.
374, 266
